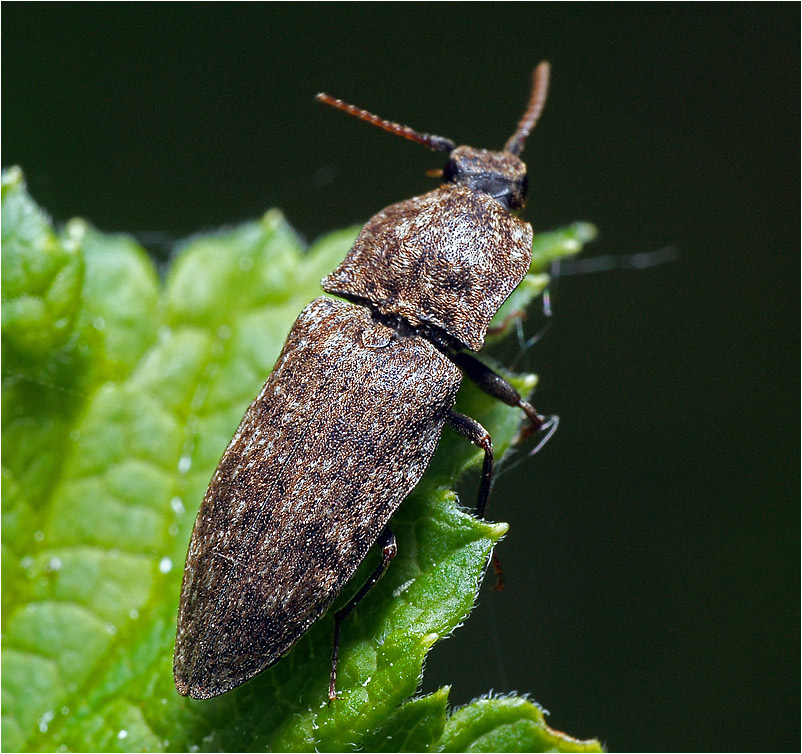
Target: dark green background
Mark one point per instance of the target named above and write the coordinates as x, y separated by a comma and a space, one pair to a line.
653, 561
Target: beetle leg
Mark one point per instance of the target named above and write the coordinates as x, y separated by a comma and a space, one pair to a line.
495, 385
478, 435
389, 551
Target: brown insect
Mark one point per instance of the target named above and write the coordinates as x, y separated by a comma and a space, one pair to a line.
347, 422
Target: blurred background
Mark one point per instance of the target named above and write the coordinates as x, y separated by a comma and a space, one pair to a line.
652, 563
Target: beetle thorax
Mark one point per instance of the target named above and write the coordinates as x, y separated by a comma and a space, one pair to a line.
447, 259
500, 175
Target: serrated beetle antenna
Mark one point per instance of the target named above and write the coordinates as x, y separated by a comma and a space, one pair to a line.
438, 143
540, 87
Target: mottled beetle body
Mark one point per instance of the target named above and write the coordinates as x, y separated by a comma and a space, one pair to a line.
348, 420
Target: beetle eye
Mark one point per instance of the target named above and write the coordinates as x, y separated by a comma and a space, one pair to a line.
450, 172
515, 198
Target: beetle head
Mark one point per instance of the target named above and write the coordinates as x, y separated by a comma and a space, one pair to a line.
501, 175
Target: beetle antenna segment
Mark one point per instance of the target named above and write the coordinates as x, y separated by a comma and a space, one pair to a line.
438, 143
540, 87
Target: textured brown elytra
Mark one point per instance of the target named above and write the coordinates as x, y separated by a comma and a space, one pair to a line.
348, 420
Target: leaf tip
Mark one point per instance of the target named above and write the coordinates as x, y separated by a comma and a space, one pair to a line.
497, 530
272, 219
13, 176
585, 232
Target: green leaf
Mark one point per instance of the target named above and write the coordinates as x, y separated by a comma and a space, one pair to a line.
414, 726
120, 392
506, 724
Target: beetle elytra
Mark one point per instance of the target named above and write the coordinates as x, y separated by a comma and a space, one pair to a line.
348, 420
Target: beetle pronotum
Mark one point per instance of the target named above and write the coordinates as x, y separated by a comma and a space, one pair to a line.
348, 420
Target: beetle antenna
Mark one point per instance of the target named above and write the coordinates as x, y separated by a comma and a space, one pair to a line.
540, 87
437, 143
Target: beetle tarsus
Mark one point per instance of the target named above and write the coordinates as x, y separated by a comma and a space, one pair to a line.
536, 421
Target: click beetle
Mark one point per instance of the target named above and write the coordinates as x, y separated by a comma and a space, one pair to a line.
348, 420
